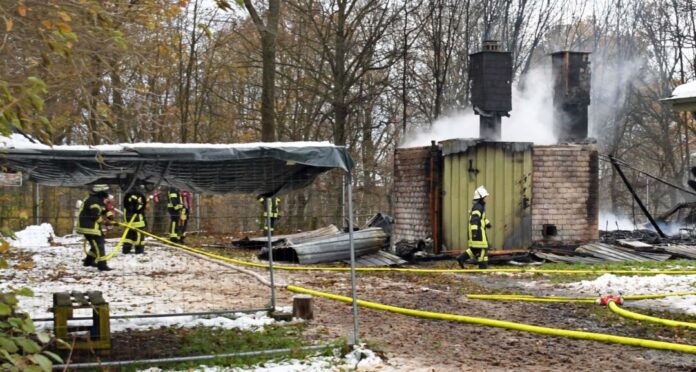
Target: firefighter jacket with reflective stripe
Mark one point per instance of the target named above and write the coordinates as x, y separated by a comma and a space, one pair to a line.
175, 205
134, 204
275, 205
92, 214
477, 225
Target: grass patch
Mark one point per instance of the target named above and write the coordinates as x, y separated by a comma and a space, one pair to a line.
206, 340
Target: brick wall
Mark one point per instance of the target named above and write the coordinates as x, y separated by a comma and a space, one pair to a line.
411, 194
565, 186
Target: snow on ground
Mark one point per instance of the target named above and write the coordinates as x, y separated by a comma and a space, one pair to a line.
360, 359
637, 285
161, 281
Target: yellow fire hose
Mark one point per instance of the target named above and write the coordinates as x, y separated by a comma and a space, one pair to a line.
453, 317
520, 297
612, 305
420, 271
636, 316
581, 335
111, 255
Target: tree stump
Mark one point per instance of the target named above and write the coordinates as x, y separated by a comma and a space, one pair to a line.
302, 307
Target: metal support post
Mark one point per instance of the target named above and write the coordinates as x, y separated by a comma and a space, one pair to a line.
636, 198
198, 212
269, 234
355, 339
37, 204
343, 203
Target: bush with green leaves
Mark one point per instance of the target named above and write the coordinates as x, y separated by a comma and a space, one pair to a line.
22, 348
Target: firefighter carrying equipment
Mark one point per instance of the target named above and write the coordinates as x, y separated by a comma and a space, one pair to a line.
98, 254
92, 217
134, 211
274, 212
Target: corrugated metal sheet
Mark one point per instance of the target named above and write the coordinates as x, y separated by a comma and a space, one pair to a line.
337, 248
505, 169
618, 254
381, 258
569, 259
688, 251
287, 239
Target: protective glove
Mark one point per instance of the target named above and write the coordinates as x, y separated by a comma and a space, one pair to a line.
488, 225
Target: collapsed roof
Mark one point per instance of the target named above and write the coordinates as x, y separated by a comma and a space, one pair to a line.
256, 168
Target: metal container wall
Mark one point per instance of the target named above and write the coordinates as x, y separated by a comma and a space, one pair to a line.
505, 169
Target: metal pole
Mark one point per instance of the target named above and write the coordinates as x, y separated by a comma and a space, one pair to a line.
187, 359
198, 212
37, 203
636, 197
356, 333
343, 203
142, 316
269, 234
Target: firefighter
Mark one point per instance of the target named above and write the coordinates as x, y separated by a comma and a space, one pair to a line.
275, 208
478, 239
178, 215
134, 204
93, 216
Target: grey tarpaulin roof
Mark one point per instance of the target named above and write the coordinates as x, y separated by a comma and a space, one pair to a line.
257, 168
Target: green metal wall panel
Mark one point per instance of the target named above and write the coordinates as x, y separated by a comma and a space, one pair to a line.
505, 169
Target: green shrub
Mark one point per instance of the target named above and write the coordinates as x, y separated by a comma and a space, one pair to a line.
22, 348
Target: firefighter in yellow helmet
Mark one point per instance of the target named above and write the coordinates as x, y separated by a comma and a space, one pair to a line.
275, 214
93, 216
478, 239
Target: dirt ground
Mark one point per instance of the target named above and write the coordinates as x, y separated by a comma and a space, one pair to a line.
420, 344
414, 344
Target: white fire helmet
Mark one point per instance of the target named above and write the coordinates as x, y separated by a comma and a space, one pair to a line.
480, 193
100, 188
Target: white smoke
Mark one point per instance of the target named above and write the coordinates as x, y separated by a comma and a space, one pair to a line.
531, 119
609, 221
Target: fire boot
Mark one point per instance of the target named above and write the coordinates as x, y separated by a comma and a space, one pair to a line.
89, 261
461, 260
127, 249
101, 265
139, 249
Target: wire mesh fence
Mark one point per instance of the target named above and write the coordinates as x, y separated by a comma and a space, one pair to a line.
317, 205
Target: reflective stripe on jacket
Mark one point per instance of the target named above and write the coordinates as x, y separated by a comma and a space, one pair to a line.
134, 204
91, 215
175, 205
275, 205
477, 226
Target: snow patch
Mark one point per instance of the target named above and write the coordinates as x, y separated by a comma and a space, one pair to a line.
687, 90
33, 237
164, 280
637, 285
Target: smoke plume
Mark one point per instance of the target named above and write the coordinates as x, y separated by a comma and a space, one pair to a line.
531, 119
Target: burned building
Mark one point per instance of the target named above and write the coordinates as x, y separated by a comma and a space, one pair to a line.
540, 195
